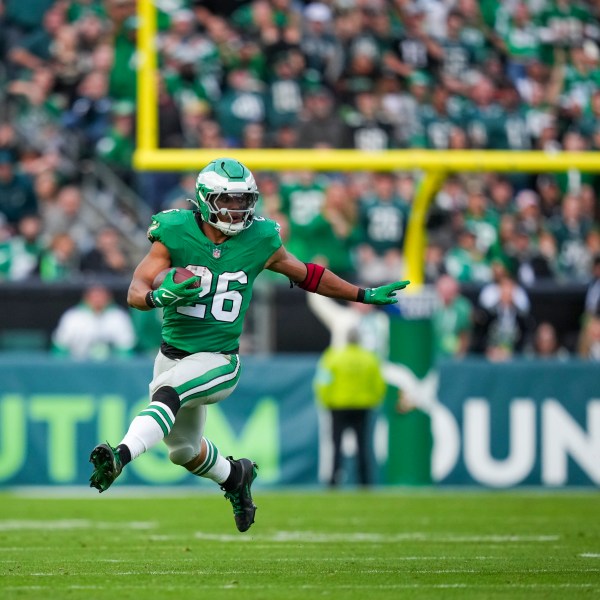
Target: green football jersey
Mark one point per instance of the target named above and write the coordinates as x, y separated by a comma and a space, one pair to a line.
227, 272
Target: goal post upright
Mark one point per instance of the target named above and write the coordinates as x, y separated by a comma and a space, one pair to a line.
147, 82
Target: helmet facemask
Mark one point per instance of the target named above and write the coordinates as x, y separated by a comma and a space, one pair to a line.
226, 196
231, 212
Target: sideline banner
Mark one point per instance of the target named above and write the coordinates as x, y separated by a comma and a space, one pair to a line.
526, 422
53, 412
495, 425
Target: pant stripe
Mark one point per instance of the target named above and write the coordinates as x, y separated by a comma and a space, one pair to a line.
211, 380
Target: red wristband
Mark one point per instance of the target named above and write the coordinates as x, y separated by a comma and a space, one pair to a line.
313, 277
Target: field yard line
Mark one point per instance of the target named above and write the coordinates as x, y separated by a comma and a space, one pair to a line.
392, 586
385, 559
374, 538
589, 555
267, 572
66, 524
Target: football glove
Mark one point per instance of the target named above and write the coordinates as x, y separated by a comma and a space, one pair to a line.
385, 293
170, 293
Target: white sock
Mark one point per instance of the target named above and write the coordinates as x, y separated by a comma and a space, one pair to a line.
215, 466
148, 428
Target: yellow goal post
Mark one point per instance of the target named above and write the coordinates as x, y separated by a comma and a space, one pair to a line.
433, 165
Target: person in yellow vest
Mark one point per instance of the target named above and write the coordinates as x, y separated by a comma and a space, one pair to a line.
349, 384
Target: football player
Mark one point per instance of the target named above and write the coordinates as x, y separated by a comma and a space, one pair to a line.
226, 245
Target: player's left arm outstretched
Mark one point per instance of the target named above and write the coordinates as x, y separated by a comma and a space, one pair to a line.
315, 278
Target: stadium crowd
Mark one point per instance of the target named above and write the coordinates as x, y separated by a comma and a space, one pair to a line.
365, 74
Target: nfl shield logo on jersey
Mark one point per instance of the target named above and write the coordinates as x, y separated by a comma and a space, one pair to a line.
216, 252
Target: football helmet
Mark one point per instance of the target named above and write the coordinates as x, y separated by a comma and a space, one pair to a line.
226, 195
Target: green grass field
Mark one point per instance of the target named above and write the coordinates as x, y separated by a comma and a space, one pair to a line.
372, 544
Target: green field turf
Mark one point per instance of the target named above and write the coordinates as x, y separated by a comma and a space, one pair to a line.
363, 545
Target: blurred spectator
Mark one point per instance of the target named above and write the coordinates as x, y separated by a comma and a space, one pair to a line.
36, 109
95, 329
465, 262
592, 294
242, 103
383, 217
545, 343
122, 81
549, 195
481, 219
530, 264
302, 198
573, 181
8, 139
17, 196
452, 320
521, 42
412, 49
514, 135
60, 260
106, 257
454, 55
89, 115
502, 326
68, 214
116, 148
25, 248
401, 105
270, 204
589, 340
170, 134
436, 122
211, 135
528, 211
332, 232
34, 48
570, 231
320, 125
253, 136
46, 186
367, 124
490, 293
69, 62
362, 34
580, 68
434, 262
319, 46
21, 19
177, 197
485, 118
284, 94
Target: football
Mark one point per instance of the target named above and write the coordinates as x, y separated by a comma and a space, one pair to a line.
181, 274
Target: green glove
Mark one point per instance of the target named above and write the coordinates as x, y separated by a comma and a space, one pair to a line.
385, 293
176, 294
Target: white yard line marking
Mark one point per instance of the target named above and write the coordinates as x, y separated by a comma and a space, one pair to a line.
590, 555
68, 524
375, 538
391, 586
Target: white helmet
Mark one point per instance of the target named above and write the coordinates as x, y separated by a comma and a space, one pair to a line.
225, 187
